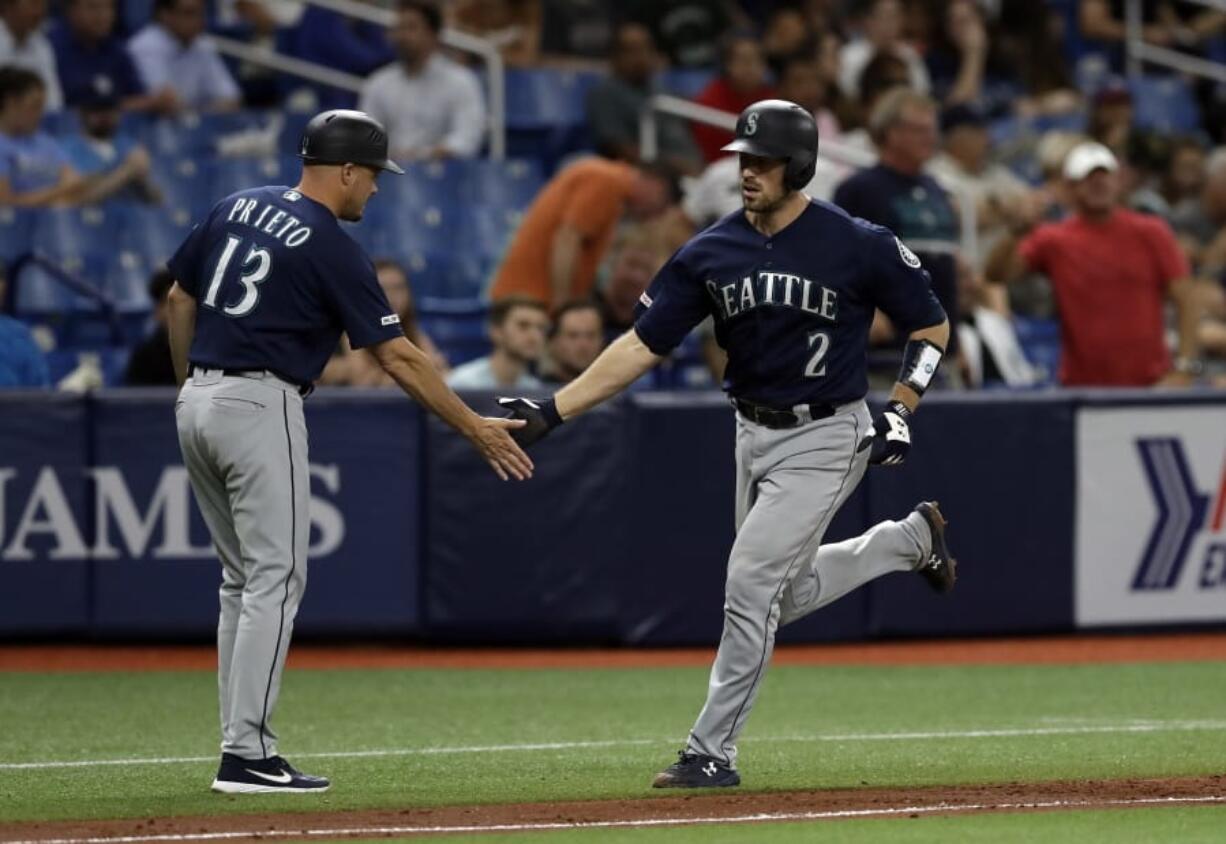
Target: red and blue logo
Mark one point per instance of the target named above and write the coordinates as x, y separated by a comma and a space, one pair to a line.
1184, 512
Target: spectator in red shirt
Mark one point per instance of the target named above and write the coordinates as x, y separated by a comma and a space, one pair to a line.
1112, 271
742, 81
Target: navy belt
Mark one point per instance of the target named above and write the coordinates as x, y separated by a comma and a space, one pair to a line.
770, 417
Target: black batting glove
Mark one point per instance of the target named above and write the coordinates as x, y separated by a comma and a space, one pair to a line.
891, 437
541, 416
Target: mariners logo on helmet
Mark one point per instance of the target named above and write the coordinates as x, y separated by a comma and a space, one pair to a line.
751, 123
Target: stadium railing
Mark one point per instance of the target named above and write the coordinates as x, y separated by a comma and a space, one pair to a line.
1139, 51
495, 68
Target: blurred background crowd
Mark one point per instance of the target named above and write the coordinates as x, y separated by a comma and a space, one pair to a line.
1068, 200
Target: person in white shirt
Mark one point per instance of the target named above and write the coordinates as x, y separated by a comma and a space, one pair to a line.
518, 325
965, 168
432, 106
169, 53
881, 23
23, 44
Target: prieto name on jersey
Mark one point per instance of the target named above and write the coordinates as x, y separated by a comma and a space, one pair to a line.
773, 289
269, 219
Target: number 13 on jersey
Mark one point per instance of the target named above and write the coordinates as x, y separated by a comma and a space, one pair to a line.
255, 269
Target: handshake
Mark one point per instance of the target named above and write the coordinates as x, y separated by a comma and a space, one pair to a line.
539, 417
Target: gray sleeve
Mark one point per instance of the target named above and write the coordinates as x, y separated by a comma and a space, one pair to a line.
467, 117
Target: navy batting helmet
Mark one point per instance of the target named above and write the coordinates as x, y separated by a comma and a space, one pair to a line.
779, 129
343, 136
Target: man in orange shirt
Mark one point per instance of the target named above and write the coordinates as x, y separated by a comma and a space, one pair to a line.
1112, 271
568, 228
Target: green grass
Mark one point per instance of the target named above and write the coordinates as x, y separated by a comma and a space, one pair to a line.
114, 716
1187, 826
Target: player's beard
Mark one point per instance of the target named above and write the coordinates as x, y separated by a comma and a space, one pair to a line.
763, 204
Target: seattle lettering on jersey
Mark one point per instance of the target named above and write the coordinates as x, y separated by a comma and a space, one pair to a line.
774, 289
269, 219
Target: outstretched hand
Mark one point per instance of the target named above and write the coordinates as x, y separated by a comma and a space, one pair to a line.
495, 439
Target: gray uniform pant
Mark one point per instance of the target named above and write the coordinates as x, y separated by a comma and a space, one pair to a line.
244, 443
790, 483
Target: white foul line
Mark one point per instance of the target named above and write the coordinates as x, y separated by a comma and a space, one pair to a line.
638, 823
1023, 732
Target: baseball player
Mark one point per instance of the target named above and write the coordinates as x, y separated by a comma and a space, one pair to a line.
264, 287
792, 284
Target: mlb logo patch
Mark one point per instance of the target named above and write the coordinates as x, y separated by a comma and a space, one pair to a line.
908, 257
390, 319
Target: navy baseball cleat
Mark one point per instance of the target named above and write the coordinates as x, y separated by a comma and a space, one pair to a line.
940, 569
264, 776
693, 770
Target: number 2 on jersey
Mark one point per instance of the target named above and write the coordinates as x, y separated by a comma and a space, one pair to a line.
815, 367
261, 258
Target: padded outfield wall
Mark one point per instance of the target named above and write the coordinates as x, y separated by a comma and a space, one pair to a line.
1068, 510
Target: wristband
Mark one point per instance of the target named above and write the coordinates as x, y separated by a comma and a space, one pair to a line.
549, 409
920, 360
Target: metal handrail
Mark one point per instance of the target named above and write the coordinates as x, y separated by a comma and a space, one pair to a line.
273, 60
495, 68
1138, 50
829, 150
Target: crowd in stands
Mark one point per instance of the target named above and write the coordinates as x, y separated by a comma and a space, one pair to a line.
1072, 218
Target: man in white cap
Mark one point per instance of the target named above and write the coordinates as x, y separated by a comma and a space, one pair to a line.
1112, 271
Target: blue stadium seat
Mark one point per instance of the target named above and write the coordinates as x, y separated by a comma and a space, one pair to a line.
89, 244
113, 361
184, 184
230, 175
16, 226
1040, 342
154, 235
685, 82
423, 184
457, 327
1165, 104
502, 184
540, 98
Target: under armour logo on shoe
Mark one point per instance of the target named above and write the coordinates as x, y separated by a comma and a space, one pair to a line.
709, 769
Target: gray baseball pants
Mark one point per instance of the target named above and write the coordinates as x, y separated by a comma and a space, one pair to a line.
244, 443
789, 485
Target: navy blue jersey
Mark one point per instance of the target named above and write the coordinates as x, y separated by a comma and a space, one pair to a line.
276, 281
918, 210
792, 310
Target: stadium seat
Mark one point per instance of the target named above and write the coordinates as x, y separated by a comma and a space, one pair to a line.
1164, 104
501, 184
153, 235
230, 175
112, 360
16, 225
89, 243
184, 184
685, 82
423, 184
457, 327
1040, 342
545, 98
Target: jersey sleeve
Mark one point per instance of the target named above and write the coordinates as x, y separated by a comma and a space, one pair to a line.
352, 289
900, 285
674, 303
186, 263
